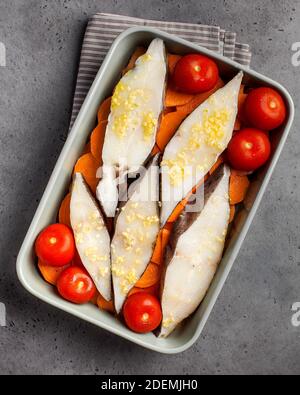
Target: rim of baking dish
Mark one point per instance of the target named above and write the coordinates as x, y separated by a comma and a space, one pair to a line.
30, 236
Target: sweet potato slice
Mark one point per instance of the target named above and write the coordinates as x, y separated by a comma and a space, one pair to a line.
156, 150
175, 98
150, 277
162, 241
51, 273
169, 226
165, 239
178, 210
167, 110
88, 166
238, 188
242, 97
104, 305
87, 148
237, 125
199, 99
180, 207
64, 211
172, 61
241, 118
168, 127
94, 299
104, 110
156, 256
137, 53
153, 290
97, 140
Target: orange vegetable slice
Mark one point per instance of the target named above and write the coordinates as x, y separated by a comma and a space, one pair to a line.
241, 116
237, 124
94, 299
64, 211
51, 273
105, 305
155, 150
156, 257
178, 210
161, 243
150, 277
153, 290
168, 127
175, 98
242, 97
165, 237
137, 53
199, 99
87, 148
97, 140
169, 226
167, 110
88, 166
172, 61
238, 188
104, 110
180, 207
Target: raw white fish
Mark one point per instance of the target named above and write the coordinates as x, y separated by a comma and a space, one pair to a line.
136, 107
91, 236
194, 252
197, 144
137, 228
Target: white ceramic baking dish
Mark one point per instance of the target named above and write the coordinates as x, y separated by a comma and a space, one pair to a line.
46, 213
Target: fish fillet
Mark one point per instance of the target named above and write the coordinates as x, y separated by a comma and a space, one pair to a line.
197, 144
136, 107
137, 228
91, 236
194, 252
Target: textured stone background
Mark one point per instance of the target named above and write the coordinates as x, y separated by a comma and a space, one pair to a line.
250, 328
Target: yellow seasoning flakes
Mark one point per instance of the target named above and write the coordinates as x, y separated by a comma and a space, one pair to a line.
131, 277
120, 125
168, 321
145, 58
149, 124
129, 240
214, 125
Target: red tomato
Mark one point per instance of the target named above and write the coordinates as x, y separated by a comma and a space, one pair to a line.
195, 74
265, 109
55, 245
249, 149
142, 312
75, 285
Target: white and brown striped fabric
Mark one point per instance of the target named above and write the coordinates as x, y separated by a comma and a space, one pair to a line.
103, 29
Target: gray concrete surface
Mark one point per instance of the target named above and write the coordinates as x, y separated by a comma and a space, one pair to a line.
250, 330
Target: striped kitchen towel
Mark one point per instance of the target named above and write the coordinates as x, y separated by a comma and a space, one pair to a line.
102, 30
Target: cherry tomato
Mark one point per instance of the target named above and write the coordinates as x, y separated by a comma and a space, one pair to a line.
55, 245
75, 285
142, 312
265, 109
249, 149
195, 74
